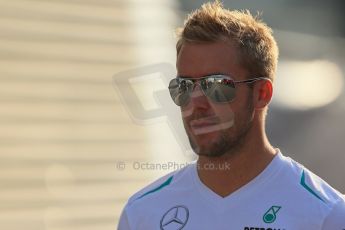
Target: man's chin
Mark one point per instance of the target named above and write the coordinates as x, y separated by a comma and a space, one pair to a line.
204, 141
208, 153
206, 147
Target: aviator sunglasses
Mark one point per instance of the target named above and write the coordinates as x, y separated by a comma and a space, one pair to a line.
217, 87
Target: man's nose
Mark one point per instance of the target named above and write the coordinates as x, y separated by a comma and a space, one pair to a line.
198, 98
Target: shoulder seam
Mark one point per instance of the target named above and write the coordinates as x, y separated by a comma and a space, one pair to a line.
331, 209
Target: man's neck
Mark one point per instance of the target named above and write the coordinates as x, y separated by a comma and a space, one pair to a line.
230, 172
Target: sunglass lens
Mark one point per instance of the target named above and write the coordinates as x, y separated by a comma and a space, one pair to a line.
219, 89
180, 91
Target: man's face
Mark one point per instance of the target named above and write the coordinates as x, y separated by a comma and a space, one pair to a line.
214, 128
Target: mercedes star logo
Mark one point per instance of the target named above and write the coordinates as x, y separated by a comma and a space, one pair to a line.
175, 218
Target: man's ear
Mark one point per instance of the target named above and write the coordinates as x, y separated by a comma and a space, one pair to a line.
263, 92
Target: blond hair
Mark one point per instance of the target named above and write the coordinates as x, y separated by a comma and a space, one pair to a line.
258, 51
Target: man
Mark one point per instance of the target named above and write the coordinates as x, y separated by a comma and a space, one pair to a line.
226, 62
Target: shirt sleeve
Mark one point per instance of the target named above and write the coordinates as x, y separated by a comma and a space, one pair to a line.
124, 222
336, 218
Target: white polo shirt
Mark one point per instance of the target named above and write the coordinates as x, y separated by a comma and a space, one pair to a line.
285, 196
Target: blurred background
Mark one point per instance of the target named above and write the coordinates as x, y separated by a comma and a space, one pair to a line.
73, 144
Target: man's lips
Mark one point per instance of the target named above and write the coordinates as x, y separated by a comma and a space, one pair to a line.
204, 122
208, 125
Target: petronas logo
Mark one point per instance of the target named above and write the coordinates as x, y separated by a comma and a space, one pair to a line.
271, 214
